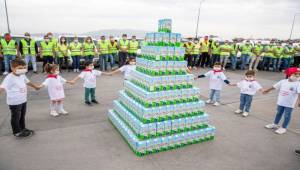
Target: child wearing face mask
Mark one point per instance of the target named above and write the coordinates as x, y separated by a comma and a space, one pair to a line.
126, 69
249, 86
89, 75
15, 84
289, 93
54, 82
216, 82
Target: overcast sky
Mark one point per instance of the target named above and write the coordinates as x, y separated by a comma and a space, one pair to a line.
226, 18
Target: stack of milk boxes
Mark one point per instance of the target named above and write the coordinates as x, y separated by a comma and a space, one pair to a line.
159, 109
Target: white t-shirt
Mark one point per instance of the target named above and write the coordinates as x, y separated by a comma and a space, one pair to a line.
127, 69
216, 79
89, 78
288, 93
55, 87
249, 87
16, 89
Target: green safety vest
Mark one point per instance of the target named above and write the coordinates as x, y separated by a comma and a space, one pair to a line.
47, 49
55, 43
9, 48
246, 49
215, 49
278, 52
189, 48
103, 47
288, 52
124, 44
269, 51
196, 49
133, 46
88, 49
75, 49
26, 48
258, 49
225, 50
62, 50
234, 50
204, 46
113, 47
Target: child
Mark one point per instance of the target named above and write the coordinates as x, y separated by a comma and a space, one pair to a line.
54, 82
289, 92
16, 96
89, 76
126, 69
249, 86
216, 82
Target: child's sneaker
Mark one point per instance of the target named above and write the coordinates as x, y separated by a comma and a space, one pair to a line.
63, 112
5, 73
95, 101
88, 103
271, 126
216, 104
280, 131
245, 114
297, 152
238, 111
208, 101
54, 113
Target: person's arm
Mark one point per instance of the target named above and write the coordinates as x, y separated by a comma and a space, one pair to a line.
17, 48
189, 71
113, 72
73, 81
268, 90
1, 90
20, 48
30, 84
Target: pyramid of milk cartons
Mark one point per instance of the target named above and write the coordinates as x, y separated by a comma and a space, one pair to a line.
159, 109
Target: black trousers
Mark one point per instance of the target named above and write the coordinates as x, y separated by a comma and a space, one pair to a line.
63, 60
122, 58
132, 55
189, 59
215, 58
18, 113
47, 59
296, 61
204, 59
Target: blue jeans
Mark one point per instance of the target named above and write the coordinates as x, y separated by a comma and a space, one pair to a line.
195, 58
245, 102
76, 62
286, 62
103, 58
214, 95
245, 60
89, 58
233, 60
287, 111
7, 61
276, 64
266, 62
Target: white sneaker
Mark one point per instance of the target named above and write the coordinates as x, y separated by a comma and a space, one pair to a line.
224, 69
245, 114
5, 73
271, 126
216, 104
208, 101
54, 113
74, 70
77, 70
238, 111
63, 112
280, 131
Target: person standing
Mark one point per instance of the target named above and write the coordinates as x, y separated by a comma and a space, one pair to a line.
89, 49
189, 46
113, 48
63, 57
195, 53
204, 48
133, 47
257, 51
123, 47
54, 41
9, 50
76, 53
288, 53
268, 55
233, 55
225, 50
246, 53
28, 49
278, 50
47, 50
103, 49
215, 52
297, 56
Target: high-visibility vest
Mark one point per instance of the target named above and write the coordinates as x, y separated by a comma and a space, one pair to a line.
288, 52
103, 47
113, 47
225, 50
55, 43
234, 50
47, 48
75, 49
189, 48
278, 51
269, 51
26, 48
204, 46
215, 49
258, 49
62, 50
124, 45
196, 49
9, 48
246, 49
133, 46
88, 49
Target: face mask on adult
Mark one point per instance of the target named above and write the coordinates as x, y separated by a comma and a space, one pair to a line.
63, 40
124, 38
27, 37
21, 71
88, 40
76, 40
47, 40
7, 37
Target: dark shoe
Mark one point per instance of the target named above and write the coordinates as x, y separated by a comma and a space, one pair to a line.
23, 134
28, 130
35, 72
88, 103
95, 101
297, 152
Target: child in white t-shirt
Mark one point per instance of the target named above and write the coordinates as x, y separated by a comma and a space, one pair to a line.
126, 69
55, 84
216, 82
249, 86
89, 75
15, 84
289, 92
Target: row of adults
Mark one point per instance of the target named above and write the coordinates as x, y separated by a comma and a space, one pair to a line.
52, 50
275, 56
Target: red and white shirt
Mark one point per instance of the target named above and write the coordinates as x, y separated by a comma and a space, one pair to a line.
55, 83
89, 77
216, 79
288, 92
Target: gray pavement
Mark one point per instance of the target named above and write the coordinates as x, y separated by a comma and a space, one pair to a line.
86, 140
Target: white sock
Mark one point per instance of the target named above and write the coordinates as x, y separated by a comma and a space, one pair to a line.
52, 106
60, 107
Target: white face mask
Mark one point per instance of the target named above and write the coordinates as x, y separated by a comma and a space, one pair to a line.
21, 71
63, 40
217, 68
249, 78
46, 40
27, 37
56, 72
76, 40
294, 78
91, 67
132, 63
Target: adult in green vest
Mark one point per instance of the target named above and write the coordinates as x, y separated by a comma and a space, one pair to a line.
47, 50
123, 47
278, 52
246, 53
196, 53
225, 50
63, 56
189, 47
233, 54
104, 57
89, 49
268, 55
288, 53
28, 49
133, 47
113, 48
54, 41
297, 56
9, 50
215, 52
204, 49
257, 51
76, 48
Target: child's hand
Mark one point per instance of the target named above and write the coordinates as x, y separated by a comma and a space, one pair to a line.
72, 82
265, 92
